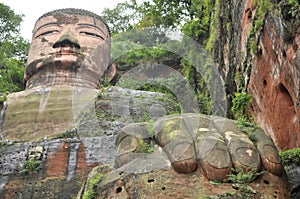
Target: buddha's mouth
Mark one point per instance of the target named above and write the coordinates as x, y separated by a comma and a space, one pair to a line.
67, 51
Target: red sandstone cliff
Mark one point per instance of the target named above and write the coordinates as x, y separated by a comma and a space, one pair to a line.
262, 46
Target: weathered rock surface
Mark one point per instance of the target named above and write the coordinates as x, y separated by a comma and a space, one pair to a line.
166, 183
274, 82
260, 51
57, 166
258, 48
53, 162
294, 173
42, 112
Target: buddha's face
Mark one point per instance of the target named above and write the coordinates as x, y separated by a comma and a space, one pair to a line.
68, 49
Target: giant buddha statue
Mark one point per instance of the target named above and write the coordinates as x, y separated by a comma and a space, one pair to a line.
57, 114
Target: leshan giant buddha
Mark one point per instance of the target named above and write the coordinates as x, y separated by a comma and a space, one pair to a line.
69, 52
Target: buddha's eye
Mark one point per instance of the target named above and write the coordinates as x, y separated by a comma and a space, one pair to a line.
50, 32
91, 34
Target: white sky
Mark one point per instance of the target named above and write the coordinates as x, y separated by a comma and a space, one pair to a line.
33, 9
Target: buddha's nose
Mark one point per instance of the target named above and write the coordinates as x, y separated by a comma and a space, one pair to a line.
67, 39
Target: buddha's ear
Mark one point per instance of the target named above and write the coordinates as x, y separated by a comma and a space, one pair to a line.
111, 72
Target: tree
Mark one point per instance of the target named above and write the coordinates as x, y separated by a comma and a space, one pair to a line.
9, 22
123, 17
13, 51
194, 18
169, 13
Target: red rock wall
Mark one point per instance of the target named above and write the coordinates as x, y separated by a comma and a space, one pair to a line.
268, 61
274, 83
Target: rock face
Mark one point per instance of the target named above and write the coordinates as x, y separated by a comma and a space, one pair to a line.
274, 82
59, 165
41, 105
261, 52
167, 183
50, 164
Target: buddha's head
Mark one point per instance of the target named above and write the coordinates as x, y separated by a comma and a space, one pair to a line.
68, 47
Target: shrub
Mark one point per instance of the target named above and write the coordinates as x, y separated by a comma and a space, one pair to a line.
291, 156
240, 104
31, 166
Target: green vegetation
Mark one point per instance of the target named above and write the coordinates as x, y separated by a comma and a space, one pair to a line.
291, 156
244, 192
242, 176
31, 166
248, 128
263, 7
213, 26
3, 98
13, 51
144, 147
92, 184
239, 110
71, 133
294, 7
222, 196
196, 19
240, 104
140, 37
